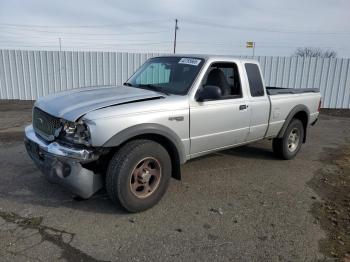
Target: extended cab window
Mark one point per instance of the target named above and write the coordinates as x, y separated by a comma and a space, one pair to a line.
254, 78
225, 76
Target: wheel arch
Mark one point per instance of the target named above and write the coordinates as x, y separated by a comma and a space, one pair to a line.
300, 112
158, 133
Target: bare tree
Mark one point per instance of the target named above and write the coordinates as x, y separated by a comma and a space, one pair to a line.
314, 52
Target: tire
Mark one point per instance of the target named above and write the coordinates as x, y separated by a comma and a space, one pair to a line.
138, 175
289, 145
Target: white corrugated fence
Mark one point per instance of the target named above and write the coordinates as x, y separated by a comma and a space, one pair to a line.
27, 75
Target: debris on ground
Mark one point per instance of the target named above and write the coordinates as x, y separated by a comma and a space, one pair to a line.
333, 211
217, 210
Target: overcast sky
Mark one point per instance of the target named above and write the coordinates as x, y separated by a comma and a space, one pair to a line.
215, 27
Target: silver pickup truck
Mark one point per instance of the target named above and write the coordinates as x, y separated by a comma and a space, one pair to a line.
133, 138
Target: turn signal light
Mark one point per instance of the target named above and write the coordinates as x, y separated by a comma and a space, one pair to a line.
319, 106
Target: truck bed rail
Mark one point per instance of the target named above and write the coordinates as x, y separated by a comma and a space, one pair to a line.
279, 90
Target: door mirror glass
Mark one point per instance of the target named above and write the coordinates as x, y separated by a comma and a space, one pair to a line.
208, 92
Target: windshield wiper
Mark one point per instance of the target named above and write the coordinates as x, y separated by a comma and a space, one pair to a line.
153, 88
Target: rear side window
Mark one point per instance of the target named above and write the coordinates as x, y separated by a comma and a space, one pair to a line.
255, 82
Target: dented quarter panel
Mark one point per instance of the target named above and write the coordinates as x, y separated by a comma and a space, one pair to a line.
282, 105
171, 112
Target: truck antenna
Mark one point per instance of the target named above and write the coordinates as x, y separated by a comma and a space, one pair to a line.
176, 28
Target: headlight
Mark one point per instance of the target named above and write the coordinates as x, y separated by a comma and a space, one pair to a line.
76, 132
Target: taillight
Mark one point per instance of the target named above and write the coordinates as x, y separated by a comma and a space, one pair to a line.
319, 105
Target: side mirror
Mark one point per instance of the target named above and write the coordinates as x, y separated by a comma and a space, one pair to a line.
208, 93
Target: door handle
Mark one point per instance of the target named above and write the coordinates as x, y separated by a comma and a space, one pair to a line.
242, 107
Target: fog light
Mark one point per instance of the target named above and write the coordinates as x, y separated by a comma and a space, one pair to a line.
66, 169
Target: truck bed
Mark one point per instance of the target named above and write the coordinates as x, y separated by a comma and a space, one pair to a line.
271, 90
283, 100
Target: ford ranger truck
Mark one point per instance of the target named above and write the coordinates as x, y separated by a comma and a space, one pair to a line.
133, 138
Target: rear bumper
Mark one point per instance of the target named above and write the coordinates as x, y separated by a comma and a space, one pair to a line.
63, 165
314, 122
314, 118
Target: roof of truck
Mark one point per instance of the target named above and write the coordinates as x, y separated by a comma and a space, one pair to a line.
207, 57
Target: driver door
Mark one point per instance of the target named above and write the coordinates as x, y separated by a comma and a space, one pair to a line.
220, 123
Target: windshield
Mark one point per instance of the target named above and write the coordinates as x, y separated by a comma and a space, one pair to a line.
170, 75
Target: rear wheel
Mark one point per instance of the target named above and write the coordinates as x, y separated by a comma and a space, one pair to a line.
138, 175
289, 145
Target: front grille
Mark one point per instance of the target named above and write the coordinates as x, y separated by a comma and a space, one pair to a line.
45, 124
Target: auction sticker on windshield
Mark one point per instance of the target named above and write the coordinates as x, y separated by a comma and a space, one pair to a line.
190, 61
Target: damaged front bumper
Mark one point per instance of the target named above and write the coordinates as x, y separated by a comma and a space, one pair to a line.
63, 165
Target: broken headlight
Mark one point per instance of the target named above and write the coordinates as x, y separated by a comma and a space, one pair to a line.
76, 132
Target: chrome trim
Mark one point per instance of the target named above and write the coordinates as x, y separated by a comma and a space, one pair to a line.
59, 150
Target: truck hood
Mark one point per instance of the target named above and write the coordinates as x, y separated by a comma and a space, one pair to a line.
71, 105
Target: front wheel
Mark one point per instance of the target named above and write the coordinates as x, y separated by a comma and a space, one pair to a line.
289, 145
138, 175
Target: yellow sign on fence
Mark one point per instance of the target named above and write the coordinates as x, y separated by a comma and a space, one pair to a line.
250, 44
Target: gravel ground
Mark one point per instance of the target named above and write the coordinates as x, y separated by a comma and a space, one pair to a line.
237, 205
